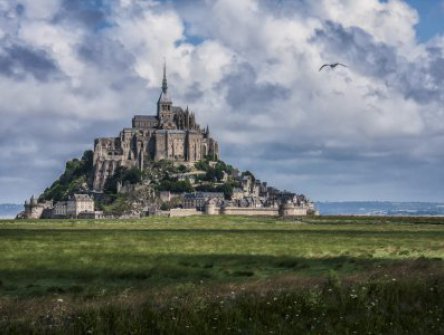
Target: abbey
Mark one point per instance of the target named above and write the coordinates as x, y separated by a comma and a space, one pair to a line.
172, 134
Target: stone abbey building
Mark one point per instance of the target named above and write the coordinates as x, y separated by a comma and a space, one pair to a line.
172, 134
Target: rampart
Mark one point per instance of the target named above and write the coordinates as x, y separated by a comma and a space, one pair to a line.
184, 212
247, 211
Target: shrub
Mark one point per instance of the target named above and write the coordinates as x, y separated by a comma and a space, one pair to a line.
165, 206
175, 186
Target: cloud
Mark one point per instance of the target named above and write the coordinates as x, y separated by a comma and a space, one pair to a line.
73, 71
19, 61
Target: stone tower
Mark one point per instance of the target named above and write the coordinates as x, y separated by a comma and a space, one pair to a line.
165, 105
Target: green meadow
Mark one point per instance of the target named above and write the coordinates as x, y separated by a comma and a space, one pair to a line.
223, 275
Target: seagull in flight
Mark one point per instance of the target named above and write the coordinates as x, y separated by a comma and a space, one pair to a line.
332, 66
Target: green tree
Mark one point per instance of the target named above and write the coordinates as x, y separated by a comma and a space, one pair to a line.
202, 165
165, 206
77, 173
122, 175
176, 186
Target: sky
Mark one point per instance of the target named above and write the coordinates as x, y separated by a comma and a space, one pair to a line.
72, 71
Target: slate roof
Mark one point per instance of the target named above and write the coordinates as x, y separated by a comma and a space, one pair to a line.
203, 195
145, 117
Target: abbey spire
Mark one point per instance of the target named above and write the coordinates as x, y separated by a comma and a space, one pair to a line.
164, 104
164, 80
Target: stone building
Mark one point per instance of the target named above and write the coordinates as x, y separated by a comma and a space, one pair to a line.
197, 200
172, 134
76, 206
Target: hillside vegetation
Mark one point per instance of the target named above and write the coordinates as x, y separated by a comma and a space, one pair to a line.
206, 176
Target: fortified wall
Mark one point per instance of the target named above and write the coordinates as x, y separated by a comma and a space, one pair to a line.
286, 210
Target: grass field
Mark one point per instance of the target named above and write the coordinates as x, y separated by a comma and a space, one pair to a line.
223, 275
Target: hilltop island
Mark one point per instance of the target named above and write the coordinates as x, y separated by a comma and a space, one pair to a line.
165, 164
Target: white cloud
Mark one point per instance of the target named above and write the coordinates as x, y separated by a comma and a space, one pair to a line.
391, 22
253, 77
41, 9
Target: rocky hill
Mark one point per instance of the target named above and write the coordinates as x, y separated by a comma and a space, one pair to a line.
133, 189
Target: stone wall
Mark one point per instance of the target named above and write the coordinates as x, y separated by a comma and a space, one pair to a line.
184, 212
285, 211
249, 211
299, 212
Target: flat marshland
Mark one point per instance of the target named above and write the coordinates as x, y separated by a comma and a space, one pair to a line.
223, 275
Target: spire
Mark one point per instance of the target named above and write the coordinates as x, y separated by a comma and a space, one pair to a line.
164, 104
208, 130
164, 81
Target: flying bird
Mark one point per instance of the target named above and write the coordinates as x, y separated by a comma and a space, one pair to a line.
332, 66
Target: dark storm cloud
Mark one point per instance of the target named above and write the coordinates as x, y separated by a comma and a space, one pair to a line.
356, 46
19, 61
437, 70
423, 82
105, 53
244, 93
304, 149
33, 154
